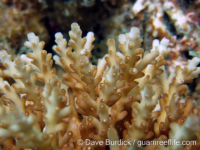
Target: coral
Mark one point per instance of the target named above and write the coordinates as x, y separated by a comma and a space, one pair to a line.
17, 20
114, 19
128, 96
175, 20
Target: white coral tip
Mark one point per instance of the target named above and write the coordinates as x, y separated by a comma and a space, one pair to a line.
164, 41
58, 35
135, 32
122, 39
32, 37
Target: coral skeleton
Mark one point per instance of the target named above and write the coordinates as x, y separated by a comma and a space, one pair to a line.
129, 96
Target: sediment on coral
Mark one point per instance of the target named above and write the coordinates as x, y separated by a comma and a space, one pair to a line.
128, 96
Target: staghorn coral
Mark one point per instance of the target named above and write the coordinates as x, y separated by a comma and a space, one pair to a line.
128, 96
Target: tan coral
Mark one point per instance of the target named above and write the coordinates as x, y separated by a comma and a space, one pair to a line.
128, 96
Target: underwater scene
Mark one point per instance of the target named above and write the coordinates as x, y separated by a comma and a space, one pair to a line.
99, 74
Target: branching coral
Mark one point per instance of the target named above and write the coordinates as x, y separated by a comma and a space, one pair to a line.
128, 95
175, 20
17, 20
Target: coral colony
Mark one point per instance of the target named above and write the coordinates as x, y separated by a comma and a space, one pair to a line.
128, 101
